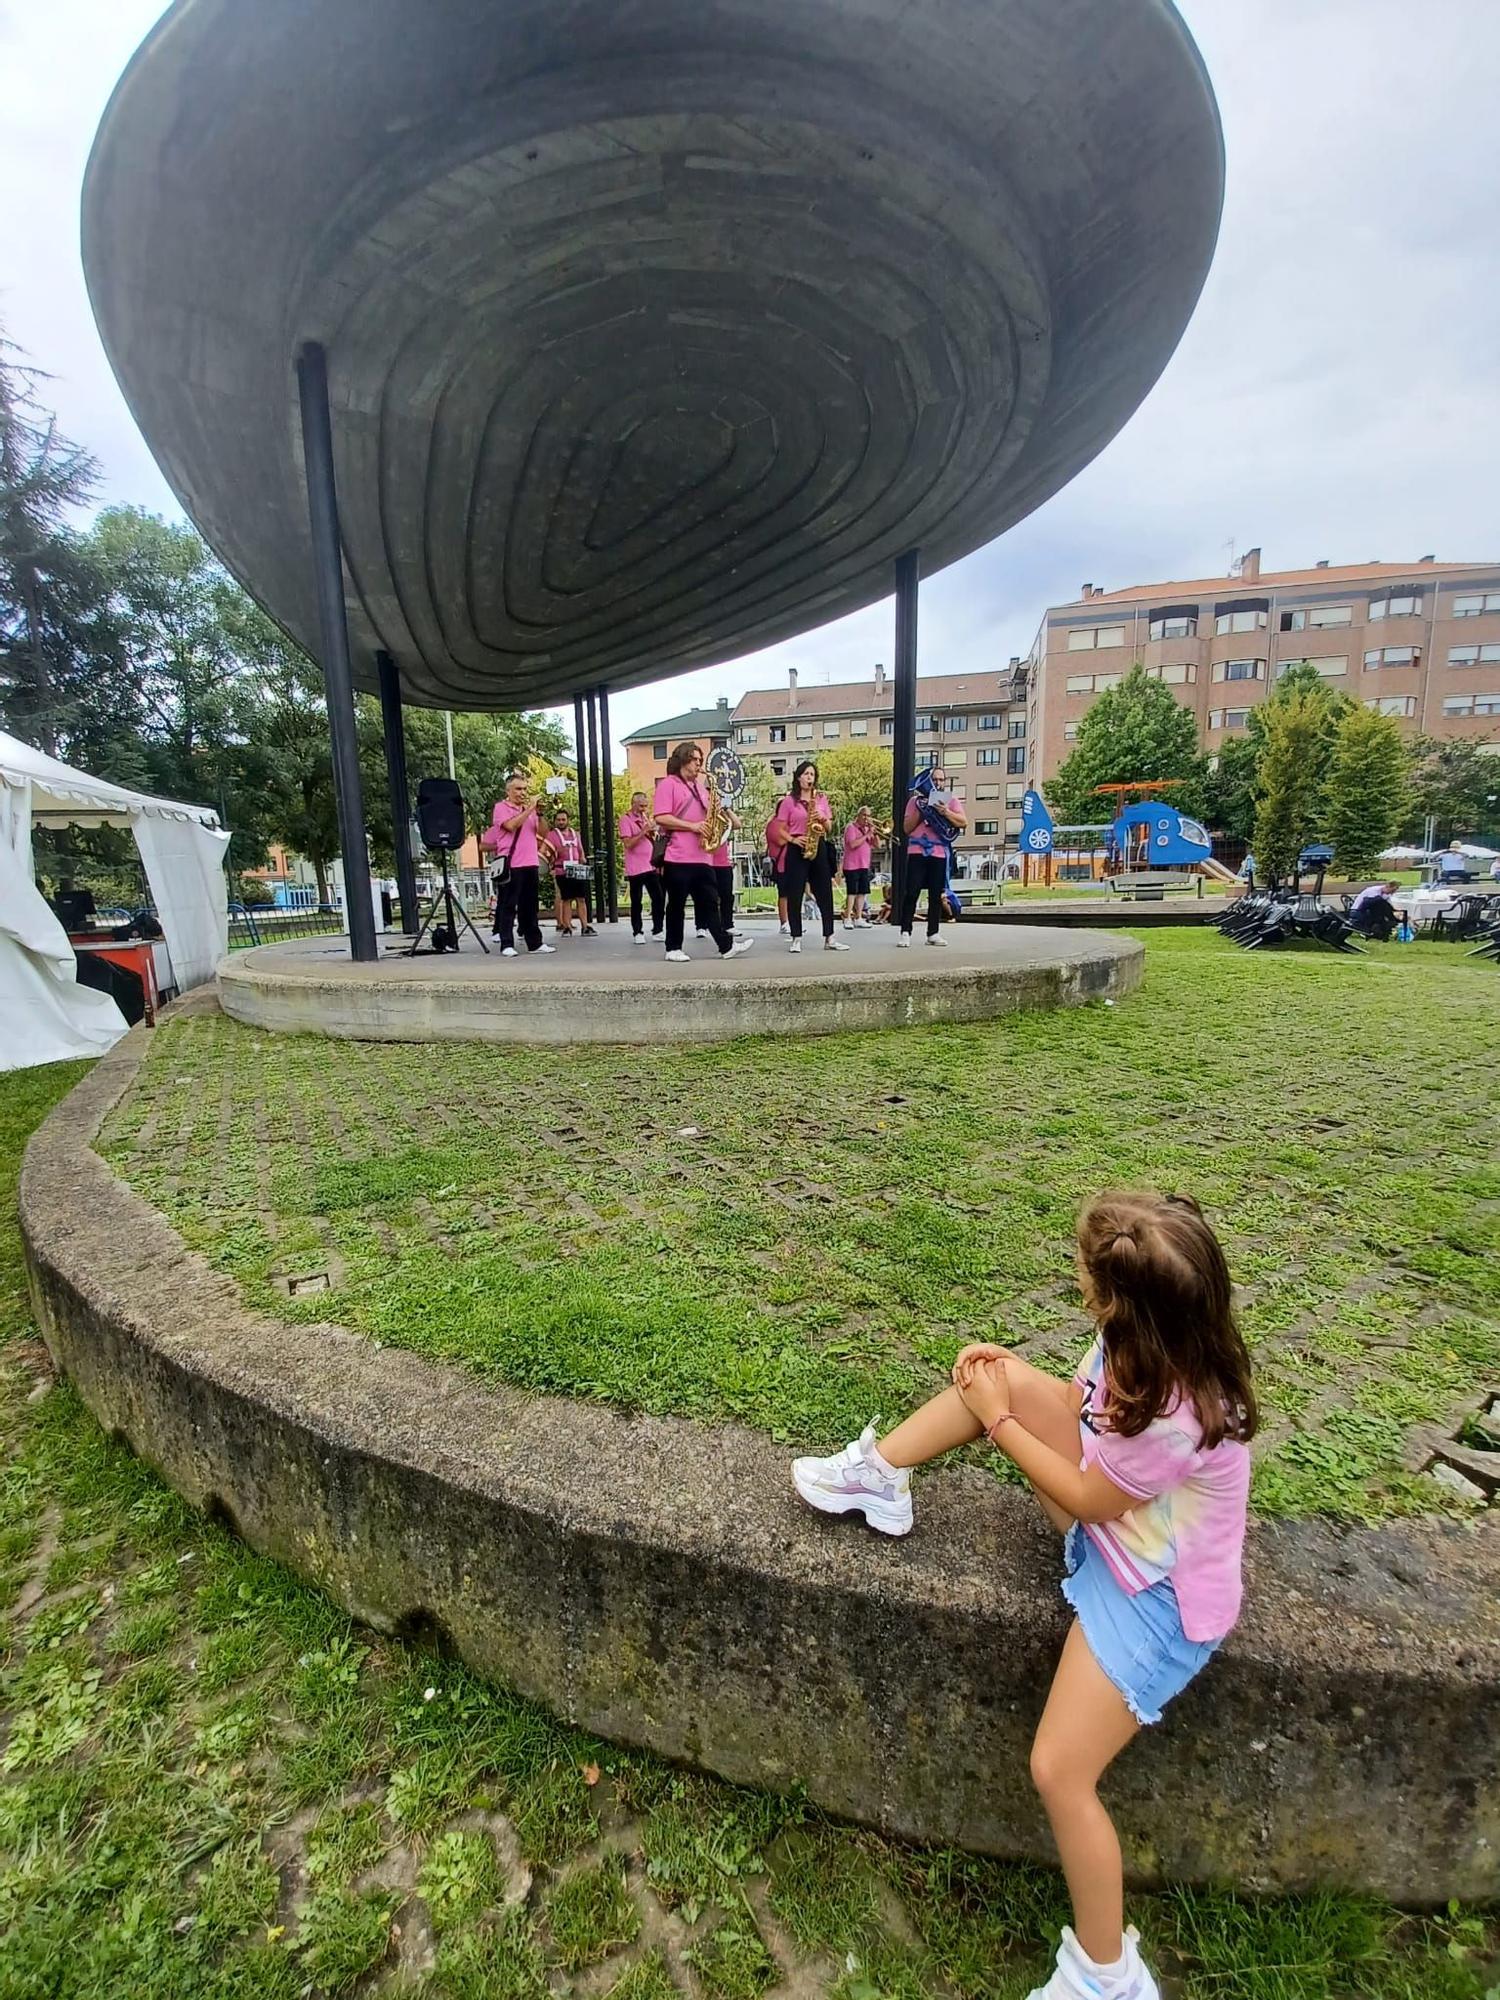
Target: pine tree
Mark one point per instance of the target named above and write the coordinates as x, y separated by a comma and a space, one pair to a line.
1289, 792
1365, 791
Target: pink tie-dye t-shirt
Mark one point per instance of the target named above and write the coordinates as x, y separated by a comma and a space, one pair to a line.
1189, 1523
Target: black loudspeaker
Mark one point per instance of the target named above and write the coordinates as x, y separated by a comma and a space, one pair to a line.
440, 814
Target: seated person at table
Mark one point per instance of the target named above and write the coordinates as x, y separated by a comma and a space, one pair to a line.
1453, 865
1372, 912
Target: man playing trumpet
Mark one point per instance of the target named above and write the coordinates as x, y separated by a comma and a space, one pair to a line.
637, 831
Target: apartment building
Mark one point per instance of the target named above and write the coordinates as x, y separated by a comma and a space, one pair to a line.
976, 723
1420, 641
647, 750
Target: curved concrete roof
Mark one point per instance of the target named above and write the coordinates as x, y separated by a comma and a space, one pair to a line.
656, 328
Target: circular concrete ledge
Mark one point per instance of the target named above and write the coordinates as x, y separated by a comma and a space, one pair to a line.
662, 1587
604, 989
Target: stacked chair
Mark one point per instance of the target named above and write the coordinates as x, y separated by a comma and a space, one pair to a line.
1282, 912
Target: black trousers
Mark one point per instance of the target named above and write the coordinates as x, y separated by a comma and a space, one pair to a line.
929, 872
515, 908
695, 879
799, 874
651, 884
725, 879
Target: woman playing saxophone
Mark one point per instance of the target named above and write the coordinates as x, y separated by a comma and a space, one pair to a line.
799, 832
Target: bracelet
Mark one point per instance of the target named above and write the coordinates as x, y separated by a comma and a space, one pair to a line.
1005, 1417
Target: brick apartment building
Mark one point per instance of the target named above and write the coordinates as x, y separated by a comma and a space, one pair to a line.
976, 723
1420, 641
647, 750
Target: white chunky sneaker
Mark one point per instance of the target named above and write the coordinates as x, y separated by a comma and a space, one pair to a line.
702, 934
851, 1483
786, 930
509, 951
678, 958
1077, 1977
638, 937
938, 938
834, 944
903, 943
848, 924
739, 947
795, 945
546, 947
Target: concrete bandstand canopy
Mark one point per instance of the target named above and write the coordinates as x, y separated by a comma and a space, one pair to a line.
655, 330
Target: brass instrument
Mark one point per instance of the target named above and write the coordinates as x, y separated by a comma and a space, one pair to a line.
812, 838
717, 824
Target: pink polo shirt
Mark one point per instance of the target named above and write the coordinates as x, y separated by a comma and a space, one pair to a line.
856, 846
683, 801
517, 844
565, 846
637, 844
793, 814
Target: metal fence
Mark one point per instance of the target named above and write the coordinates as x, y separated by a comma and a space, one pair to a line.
249, 925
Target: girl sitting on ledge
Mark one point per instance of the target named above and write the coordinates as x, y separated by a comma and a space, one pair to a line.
1141, 1463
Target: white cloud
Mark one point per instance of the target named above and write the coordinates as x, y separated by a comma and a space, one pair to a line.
1336, 394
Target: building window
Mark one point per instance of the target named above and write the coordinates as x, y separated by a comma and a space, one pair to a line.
1178, 675
1015, 757
1471, 704
659, 752
955, 760
1014, 794
1239, 670
1228, 718
1392, 656
1178, 626
987, 791
778, 767
1096, 636
955, 725
804, 732
745, 735
777, 732
1316, 615
989, 722
986, 756
887, 725
1070, 732
1330, 666
1400, 604
830, 729
1103, 681
1476, 604
1472, 656
859, 725
1079, 684
1013, 825
1017, 729
1248, 619
1394, 704
925, 725
987, 827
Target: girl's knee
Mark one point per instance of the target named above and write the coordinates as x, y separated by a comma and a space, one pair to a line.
1054, 1768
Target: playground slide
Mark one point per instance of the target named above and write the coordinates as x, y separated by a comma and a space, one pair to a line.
1217, 872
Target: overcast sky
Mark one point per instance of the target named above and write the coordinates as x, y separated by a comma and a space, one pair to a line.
1337, 393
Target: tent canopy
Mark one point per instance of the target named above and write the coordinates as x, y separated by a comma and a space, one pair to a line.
48, 1016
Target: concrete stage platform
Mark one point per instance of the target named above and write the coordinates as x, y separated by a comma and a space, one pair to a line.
605, 989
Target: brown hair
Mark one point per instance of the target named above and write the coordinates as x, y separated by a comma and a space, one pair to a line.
1158, 1287
680, 756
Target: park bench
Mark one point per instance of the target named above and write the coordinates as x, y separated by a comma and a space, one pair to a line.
1151, 887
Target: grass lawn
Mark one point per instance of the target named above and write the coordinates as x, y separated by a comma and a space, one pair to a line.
846, 1211
213, 1785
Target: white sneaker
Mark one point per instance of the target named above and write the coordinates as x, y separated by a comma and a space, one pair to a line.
702, 934
739, 947
509, 951
848, 924
546, 947
638, 937
795, 945
851, 1483
903, 942
862, 924
938, 938
834, 944
786, 930
1077, 1977
678, 958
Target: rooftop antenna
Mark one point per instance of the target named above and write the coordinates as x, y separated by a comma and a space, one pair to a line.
1233, 566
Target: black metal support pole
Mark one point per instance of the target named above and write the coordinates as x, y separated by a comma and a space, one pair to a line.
611, 877
338, 677
395, 768
591, 709
904, 747
580, 759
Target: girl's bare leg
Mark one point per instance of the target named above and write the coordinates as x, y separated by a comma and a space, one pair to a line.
1084, 1727
927, 1433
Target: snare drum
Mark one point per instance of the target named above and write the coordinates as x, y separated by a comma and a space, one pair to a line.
577, 874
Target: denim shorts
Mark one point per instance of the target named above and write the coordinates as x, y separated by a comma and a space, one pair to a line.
1138, 1641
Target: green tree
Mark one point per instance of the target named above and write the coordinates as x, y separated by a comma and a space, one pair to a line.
1134, 733
1289, 804
1229, 788
1364, 794
1457, 784
855, 775
64, 684
486, 749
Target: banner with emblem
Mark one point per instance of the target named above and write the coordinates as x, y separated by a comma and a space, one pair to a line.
1036, 824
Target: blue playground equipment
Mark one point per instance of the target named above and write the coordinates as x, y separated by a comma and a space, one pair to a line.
1154, 835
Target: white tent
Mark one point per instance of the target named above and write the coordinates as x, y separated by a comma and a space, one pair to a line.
45, 1015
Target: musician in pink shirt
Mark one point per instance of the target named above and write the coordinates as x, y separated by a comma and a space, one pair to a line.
859, 846
637, 831
680, 808
570, 891
799, 870
511, 839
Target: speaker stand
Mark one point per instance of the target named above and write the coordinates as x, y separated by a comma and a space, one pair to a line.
455, 915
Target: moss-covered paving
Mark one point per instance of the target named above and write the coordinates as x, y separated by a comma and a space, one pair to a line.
213, 1786
797, 1234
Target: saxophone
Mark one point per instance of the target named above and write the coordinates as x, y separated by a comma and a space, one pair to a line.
812, 839
716, 824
